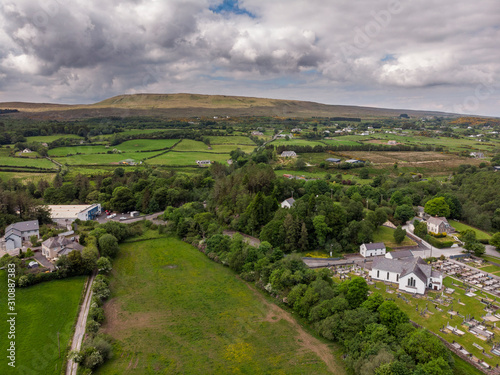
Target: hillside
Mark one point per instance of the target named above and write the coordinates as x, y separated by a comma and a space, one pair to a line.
189, 105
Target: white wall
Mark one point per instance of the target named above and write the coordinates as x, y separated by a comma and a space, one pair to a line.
419, 284
384, 275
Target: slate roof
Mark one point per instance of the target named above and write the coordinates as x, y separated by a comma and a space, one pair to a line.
437, 220
333, 160
374, 245
398, 254
404, 267
23, 226
290, 201
54, 242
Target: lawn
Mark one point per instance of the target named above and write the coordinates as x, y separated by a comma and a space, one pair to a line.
172, 310
386, 235
436, 319
43, 310
480, 235
490, 268
187, 158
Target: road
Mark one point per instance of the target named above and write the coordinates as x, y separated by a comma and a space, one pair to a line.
76, 344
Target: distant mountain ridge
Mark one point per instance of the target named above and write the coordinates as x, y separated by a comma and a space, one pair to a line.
189, 105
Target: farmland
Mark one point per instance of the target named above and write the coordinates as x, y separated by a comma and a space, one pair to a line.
26, 162
51, 138
173, 158
480, 235
102, 159
43, 311
172, 310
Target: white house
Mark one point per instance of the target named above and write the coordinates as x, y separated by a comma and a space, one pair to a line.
353, 161
372, 249
16, 233
287, 203
477, 155
439, 225
288, 154
412, 275
54, 247
26, 151
203, 163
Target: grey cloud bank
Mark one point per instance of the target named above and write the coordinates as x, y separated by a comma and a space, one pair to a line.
400, 53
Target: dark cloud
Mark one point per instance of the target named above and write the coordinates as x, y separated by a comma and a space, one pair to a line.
83, 51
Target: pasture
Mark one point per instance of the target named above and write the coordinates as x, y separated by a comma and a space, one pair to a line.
480, 235
27, 176
172, 310
133, 145
173, 158
51, 138
43, 310
189, 145
230, 140
296, 142
102, 159
26, 162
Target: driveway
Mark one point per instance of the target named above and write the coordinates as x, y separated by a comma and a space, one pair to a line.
43, 261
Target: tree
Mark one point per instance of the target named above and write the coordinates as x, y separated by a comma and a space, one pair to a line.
391, 315
303, 240
495, 240
321, 229
123, 199
404, 213
399, 234
104, 265
468, 236
475, 247
364, 174
420, 229
357, 292
437, 207
108, 245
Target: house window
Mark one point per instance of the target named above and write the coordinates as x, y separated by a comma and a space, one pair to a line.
387, 275
397, 277
378, 273
411, 282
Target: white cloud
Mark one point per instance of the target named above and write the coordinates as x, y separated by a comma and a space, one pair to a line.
83, 51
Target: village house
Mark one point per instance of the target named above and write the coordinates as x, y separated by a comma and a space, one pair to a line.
203, 163
54, 247
439, 225
353, 161
16, 233
296, 130
412, 275
26, 151
496, 168
392, 143
372, 249
287, 203
477, 155
257, 133
288, 154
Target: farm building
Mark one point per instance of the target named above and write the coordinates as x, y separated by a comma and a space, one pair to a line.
288, 154
496, 168
287, 203
257, 133
439, 225
477, 155
16, 233
392, 143
372, 249
353, 161
26, 151
203, 163
333, 160
66, 214
412, 275
296, 130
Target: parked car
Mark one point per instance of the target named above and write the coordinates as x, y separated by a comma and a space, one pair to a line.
123, 218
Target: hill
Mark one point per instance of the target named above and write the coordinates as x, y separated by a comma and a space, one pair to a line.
194, 105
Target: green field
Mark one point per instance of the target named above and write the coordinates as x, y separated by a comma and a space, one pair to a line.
191, 145
26, 162
491, 268
105, 158
51, 138
27, 177
386, 235
174, 311
480, 235
339, 141
230, 140
187, 158
296, 142
127, 146
42, 311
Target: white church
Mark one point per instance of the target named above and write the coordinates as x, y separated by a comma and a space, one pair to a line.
413, 275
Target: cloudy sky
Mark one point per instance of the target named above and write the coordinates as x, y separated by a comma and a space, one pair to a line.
416, 54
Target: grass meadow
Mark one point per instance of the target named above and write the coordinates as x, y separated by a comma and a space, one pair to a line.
386, 235
480, 235
42, 311
100, 159
50, 138
186, 158
172, 310
26, 162
230, 140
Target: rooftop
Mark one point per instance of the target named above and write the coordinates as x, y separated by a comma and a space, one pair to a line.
67, 211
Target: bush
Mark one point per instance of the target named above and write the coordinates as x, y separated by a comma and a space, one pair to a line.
440, 245
93, 326
97, 314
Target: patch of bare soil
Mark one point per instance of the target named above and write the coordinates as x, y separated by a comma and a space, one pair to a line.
118, 322
304, 339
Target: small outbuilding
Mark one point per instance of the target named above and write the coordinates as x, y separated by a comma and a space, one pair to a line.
372, 249
287, 203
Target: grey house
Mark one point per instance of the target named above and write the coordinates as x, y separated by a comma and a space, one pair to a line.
16, 233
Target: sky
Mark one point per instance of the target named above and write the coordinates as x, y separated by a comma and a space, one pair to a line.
411, 54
